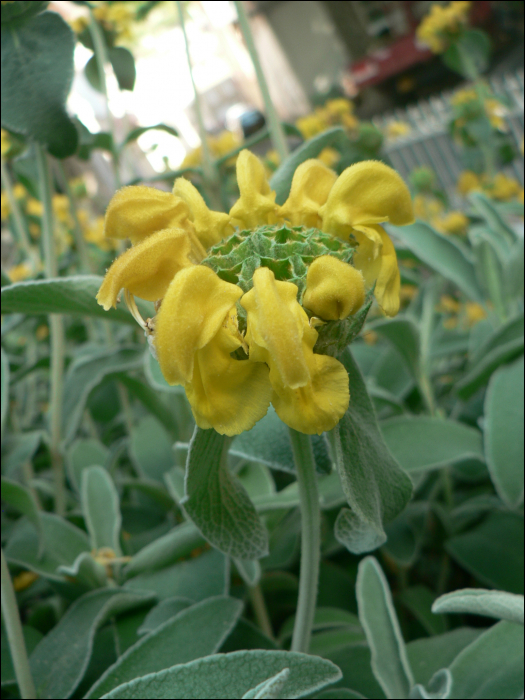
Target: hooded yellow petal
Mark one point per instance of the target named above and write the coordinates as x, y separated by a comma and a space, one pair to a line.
311, 185
318, 406
389, 280
146, 269
275, 326
334, 289
192, 311
137, 212
366, 193
256, 205
310, 392
210, 226
381, 269
226, 394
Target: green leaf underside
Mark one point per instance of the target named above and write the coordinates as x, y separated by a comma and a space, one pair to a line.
193, 633
85, 373
492, 665
233, 675
421, 443
376, 488
37, 70
216, 501
504, 432
69, 295
378, 618
441, 254
57, 665
477, 601
197, 579
101, 508
493, 551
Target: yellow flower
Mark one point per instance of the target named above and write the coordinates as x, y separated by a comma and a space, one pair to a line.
365, 195
475, 313
23, 580
42, 332
442, 24
396, 130
5, 207
468, 181
78, 24
454, 222
19, 191
34, 207
310, 392
503, 187
311, 125
5, 142
94, 232
235, 323
448, 304
329, 157
20, 272
195, 333
61, 209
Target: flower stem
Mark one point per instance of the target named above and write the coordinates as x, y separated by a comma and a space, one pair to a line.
259, 608
274, 123
77, 229
18, 219
13, 628
310, 540
99, 46
211, 174
56, 327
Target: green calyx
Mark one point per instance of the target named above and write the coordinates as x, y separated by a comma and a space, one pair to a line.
286, 250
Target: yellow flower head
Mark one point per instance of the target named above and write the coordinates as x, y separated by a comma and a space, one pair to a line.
468, 181
5, 142
20, 272
442, 24
5, 207
250, 303
503, 187
454, 222
34, 207
396, 130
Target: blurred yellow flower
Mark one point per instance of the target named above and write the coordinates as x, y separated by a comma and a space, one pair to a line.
61, 209
503, 187
329, 157
5, 142
42, 332
427, 207
311, 125
475, 313
396, 130
448, 304
219, 146
442, 24
23, 580
19, 190
454, 222
468, 181
5, 207
211, 283
34, 207
20, 272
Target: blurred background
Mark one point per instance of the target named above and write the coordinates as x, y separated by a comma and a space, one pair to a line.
310, 51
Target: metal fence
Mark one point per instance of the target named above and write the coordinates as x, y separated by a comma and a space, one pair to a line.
429, 143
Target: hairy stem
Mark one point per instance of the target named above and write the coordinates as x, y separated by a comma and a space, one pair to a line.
310, 540
56, 327
274, 123
13, 628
